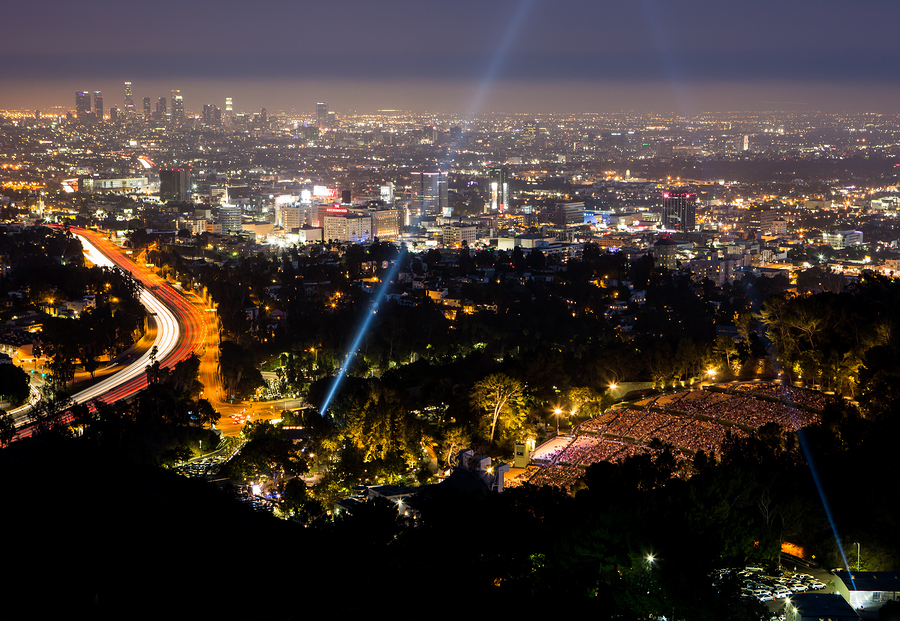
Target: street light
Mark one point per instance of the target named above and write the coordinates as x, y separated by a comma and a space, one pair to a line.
557, 411
857, 556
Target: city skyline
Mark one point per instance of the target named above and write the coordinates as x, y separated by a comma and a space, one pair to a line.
510, 56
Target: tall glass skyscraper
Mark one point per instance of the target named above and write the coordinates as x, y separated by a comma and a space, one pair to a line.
129, 98
429, 192
82, 104
679, 210
177, 106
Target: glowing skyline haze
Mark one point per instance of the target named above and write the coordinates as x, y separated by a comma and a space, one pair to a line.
568, 56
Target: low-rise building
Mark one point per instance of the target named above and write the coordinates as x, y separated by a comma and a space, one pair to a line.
867, 591
818, 606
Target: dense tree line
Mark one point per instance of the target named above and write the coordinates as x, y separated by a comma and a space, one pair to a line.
836, 340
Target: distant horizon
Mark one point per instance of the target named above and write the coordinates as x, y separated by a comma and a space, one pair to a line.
467, 58
441, 97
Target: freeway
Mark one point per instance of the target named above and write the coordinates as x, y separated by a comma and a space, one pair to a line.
168, 334
181, 329
180, 326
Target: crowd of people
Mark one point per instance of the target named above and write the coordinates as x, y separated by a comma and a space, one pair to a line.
689, 420
682, 431
792, 395
558, 475
585, 450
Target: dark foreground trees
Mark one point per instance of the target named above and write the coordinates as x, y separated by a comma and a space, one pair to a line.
13, 384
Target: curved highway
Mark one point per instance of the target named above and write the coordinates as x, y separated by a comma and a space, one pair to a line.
180, 326
168, 335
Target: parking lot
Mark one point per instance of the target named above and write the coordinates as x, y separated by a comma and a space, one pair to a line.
770, 589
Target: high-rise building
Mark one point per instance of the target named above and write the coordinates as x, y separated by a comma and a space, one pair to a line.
679, 210
569, 214
161, 109
387, 193
175, 184
499, 184
342, 224
529, 133
147, 111
212, 115
177, 107
98, 105
82, 104
230, 218
429, 192
291, 217
129, 98
229, 111
665, 253
322, 115
385, 223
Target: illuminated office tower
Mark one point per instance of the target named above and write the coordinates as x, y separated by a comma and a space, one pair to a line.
175, 184
230, 218
229, 111
387, 193
147, 111
161, 109
499, 184
98, 105
177, 106
212, 115
679, 210
322, 115
429, 192
129, 98
82, 104
529, 133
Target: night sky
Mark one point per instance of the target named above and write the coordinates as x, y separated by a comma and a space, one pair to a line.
466, 56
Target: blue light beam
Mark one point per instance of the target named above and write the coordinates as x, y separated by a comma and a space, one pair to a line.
493, 68
810, 461
363, 328
668, 54
490, 75
807, 452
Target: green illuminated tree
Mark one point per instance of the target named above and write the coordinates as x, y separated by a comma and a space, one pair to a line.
501, 396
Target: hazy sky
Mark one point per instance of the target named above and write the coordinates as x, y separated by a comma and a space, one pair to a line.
461, 55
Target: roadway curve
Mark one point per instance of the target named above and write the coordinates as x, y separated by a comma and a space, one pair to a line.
180, 326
